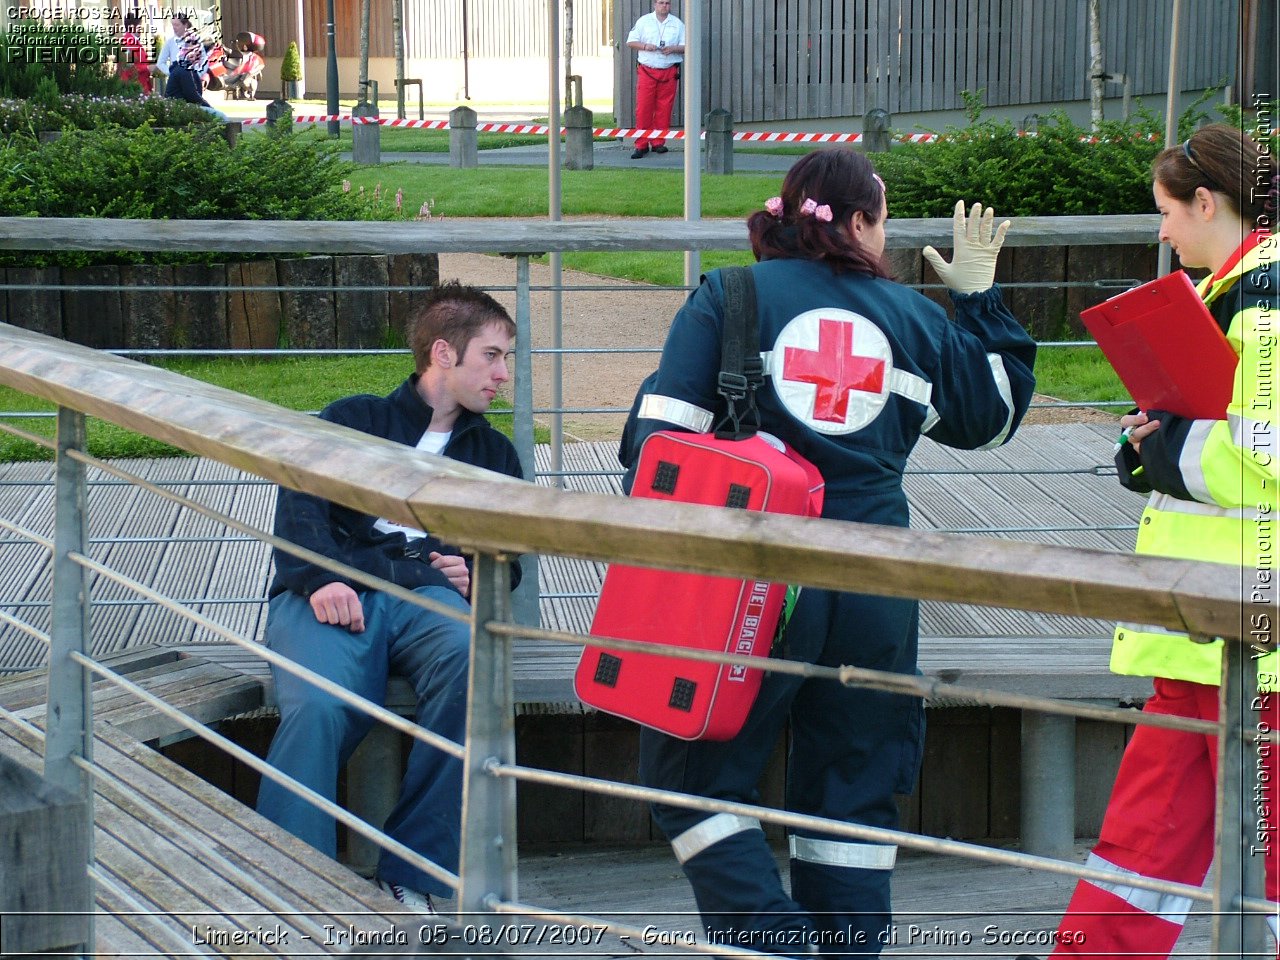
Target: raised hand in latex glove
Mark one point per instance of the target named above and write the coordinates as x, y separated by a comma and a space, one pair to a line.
973, 261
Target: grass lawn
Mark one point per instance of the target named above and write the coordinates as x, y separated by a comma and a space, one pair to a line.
523, 191
1077, 374
299, 383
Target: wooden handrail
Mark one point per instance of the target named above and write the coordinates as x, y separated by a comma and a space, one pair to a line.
461, 504
508, 235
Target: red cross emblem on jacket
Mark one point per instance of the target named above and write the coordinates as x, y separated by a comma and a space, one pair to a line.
831, 368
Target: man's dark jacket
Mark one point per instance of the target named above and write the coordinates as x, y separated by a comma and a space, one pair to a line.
349, 536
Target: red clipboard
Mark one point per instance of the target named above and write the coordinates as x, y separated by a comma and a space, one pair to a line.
1166, 347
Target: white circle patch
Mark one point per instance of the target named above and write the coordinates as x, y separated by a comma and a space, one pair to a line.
831, 369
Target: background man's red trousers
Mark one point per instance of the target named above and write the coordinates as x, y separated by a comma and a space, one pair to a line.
655, 96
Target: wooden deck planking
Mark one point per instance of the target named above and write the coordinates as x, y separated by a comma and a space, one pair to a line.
215, 863
937, 900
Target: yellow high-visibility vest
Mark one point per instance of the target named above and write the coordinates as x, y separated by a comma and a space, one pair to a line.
1232, 468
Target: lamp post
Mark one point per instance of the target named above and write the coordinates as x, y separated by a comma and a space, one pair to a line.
331, 77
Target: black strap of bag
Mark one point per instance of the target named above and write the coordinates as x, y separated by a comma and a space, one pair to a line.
741, 369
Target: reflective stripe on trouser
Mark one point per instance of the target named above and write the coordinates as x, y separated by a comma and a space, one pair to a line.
1159, 825
852, 750
828, 875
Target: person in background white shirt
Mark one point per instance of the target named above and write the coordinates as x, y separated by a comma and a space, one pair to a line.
658, 37
169, 49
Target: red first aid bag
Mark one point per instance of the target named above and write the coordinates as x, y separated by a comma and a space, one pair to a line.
688, 698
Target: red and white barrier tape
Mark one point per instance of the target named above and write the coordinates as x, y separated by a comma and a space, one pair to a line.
626, 133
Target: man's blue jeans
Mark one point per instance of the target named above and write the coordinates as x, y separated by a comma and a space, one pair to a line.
318, 732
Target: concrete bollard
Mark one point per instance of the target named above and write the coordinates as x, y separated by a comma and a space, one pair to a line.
579, 147
279, 111
231, 132
875, 130
719, 127
366, 138
463, 151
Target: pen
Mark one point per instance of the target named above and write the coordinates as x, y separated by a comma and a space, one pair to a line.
1122, 439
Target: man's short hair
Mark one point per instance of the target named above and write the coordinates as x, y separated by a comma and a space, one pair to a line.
454, 313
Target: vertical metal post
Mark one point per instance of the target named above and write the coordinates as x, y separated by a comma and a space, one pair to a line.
488, 860
69, 718
331, 70
525, 600
691, 70
555, 213
1164, 259
1238, 863
69, 725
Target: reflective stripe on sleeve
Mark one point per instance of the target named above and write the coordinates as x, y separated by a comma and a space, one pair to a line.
710, 832
1255, 436
1001, 377
682, 414
931, 419
838, 853
1169, 504
1166, 906
1191, 460
912, 387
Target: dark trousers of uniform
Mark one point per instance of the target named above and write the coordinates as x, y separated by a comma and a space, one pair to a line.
852, 750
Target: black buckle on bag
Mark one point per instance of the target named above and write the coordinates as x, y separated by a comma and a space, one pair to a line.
739, 392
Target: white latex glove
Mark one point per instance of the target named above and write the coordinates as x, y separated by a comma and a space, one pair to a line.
973, 261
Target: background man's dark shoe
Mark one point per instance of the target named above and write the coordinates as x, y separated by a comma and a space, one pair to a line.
640, 152
659, 149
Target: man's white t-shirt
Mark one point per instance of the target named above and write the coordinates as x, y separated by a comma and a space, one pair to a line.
649, 29
433, 441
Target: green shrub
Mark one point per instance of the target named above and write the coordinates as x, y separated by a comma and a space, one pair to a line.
1063, 170
75, 58
291, 64
1054, 173
149, 173
74, 112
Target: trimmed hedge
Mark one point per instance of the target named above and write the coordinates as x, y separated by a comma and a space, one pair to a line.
1061, 170
151, 173
39, 58
27, 118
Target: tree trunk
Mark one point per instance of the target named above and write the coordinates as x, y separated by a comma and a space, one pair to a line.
1096, 70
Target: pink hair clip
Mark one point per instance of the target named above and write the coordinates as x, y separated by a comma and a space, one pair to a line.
774, 206
883, 189
820, 211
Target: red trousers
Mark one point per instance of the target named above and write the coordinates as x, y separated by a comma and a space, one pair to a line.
1160, 825
655, 96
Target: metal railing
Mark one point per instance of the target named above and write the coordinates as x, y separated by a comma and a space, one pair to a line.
457, 502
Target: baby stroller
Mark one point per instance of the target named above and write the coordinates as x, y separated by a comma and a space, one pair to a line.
244, 65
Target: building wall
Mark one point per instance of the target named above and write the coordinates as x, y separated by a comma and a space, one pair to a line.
783, 60
491, 50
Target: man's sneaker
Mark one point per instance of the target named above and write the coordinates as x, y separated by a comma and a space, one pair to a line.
659, 149
420, 902
639, 152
